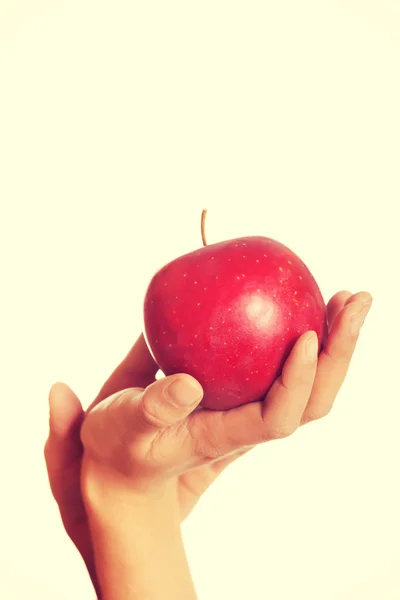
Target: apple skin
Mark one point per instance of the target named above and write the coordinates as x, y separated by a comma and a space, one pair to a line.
229, 314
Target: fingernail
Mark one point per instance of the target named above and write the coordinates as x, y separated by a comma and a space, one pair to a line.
357, 320
311, 348
184, 392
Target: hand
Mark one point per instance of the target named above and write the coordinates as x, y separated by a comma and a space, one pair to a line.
210, 440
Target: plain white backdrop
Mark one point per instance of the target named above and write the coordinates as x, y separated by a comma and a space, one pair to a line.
119, 122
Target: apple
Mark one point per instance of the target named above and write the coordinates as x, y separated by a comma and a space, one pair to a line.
229, 314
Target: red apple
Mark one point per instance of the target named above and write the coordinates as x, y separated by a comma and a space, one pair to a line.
229, 314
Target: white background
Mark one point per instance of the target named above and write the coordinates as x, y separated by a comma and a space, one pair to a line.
119, 122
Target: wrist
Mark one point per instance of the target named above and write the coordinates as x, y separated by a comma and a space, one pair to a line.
108, 494
136, 534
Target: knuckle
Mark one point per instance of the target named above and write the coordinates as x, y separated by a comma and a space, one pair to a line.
280, 431
316, 414
300, 377
307, 418
152, 415
340, 356
205, 439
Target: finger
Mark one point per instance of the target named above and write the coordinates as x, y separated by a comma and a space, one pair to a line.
138, 369
334, 360
63, 452
219, 433
336, 304
63, 445
288, 397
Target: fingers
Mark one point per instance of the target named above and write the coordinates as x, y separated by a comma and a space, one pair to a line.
302, 393
334, 360
63, 445
336, 304
219, 433
63, 451
288, 397
138, 369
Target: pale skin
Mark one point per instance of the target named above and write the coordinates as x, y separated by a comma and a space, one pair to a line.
128, 471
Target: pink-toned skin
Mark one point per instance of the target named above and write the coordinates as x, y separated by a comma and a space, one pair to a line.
229, 314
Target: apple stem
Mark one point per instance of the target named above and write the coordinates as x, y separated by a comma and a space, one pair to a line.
203, 227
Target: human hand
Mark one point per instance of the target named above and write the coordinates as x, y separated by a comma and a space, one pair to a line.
307, 391
141, 439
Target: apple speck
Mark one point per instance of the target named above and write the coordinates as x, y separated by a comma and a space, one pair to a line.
300, 277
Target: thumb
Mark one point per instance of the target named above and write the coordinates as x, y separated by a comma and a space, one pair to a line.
167, 401
136, 412
63, 444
